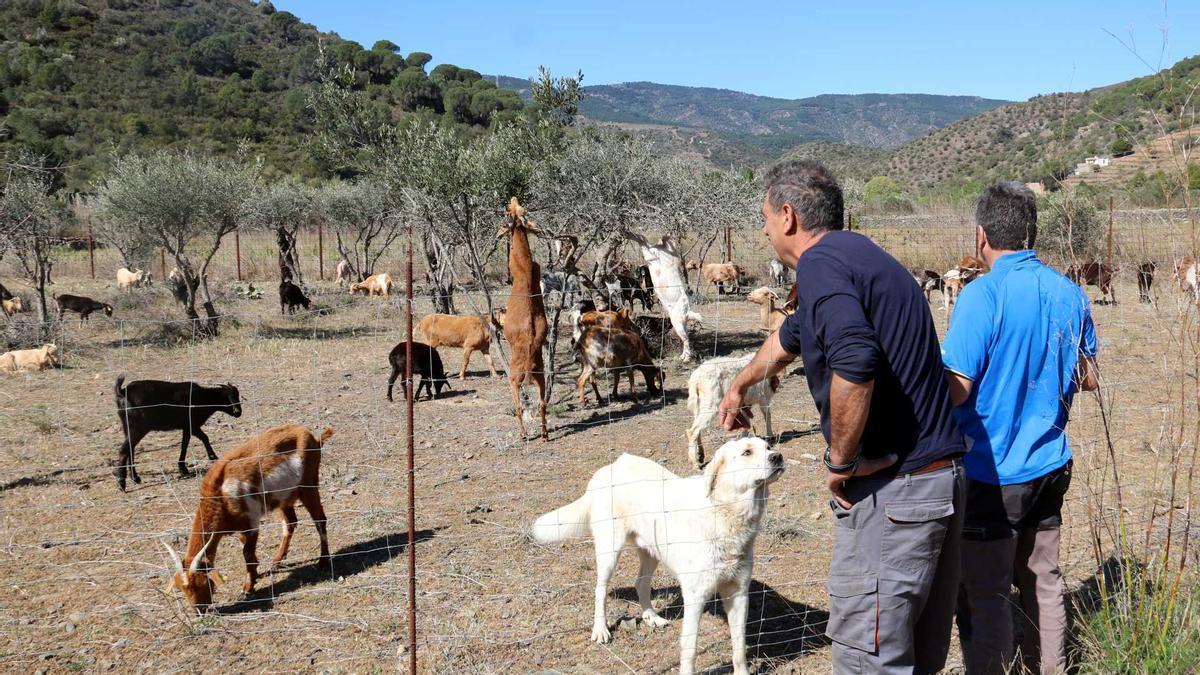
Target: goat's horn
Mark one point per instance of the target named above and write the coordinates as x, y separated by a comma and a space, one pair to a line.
174, 555
200, 555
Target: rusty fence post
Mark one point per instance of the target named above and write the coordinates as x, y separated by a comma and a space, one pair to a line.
237, 250
92, 252
162, 263
320, 252
412, 501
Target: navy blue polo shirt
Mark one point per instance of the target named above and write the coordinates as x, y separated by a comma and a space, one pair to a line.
860, 314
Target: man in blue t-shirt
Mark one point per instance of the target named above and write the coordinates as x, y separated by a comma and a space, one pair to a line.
871, 357
1020, 344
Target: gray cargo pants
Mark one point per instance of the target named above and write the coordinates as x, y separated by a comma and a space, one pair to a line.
894, 577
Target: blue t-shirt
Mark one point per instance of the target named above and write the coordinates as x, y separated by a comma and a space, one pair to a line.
1017, 333
860, 314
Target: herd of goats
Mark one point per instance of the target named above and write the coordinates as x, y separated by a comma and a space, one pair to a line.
280, 467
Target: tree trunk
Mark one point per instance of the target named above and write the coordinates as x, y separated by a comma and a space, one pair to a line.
211, 319
43, 275
438, 262
552, 342
289, 264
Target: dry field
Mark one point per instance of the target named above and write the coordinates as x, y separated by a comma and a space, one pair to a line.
84, 570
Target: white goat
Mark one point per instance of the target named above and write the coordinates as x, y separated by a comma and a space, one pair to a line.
708, 385
670, 285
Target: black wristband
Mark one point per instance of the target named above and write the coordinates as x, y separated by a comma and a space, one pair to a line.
848, 467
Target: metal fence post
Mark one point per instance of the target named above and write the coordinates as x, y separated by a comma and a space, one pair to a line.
237, 250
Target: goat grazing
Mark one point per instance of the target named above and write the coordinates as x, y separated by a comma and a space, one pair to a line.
82, 305
343, 273
616, 349
127, 279
426, 363
525, 326
1145, 278
929, 281
29, 359
670, 284
12, 305
1095, 274
707, 386
154, 405
719, 274
968, 269
468, 332
376, 284
270, 472
290, 297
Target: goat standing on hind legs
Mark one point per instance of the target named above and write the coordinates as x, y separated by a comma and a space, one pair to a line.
525, 325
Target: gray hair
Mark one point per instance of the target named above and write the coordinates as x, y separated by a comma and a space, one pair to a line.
1007, 212
810, 189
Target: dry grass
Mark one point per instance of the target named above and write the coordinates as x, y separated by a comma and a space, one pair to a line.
84, 570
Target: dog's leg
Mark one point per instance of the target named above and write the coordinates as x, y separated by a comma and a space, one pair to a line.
645, 574
736, 601
607, 552
693, 607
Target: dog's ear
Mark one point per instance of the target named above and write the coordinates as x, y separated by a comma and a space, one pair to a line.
713, 471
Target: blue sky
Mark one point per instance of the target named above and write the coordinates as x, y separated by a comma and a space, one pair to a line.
1011, 50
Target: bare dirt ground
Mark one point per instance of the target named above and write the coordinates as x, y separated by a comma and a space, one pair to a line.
84, 571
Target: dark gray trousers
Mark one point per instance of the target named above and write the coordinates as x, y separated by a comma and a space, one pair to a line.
893, 581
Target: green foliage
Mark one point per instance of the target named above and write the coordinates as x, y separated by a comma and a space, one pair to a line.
1121, 146
1070, 225
385, 46
139, 76
1151, 190
1193, 176
1145, 622
417, 60
1052, 172
880, 188
558, 98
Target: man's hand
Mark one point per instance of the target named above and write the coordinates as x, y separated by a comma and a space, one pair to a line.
836, 482
734, 415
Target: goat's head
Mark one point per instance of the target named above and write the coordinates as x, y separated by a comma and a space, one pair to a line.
233, 400
692, 265
196, 584
108, 310
515, 220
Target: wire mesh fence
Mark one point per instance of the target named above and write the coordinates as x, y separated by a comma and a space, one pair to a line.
87, 571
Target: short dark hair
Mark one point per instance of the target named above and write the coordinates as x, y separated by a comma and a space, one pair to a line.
1007, 211
811, 190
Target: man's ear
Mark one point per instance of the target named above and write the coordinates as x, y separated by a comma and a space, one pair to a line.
792, 222
713, 471
980, 241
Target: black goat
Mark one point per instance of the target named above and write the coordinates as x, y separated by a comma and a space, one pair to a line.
290, 296
426, 363
153, 405
4, 294
82, 305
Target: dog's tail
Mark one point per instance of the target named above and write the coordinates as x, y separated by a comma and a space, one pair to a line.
568, 522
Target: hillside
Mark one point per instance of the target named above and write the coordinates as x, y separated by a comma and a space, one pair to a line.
82, 78
1045, 137
773, 125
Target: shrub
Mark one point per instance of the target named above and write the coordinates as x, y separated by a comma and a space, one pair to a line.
1070, 226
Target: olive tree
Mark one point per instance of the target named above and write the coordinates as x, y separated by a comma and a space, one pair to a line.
282, 208
31, 220
186, 203
364, 222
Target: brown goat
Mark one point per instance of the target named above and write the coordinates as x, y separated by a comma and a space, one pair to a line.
617, 349
1097, 274
718, 273
468, 332
525, 326
267, 473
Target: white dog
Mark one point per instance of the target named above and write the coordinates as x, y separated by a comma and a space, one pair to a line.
701, 527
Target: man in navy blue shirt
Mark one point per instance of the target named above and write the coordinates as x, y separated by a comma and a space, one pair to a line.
871, 357
1021, 342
